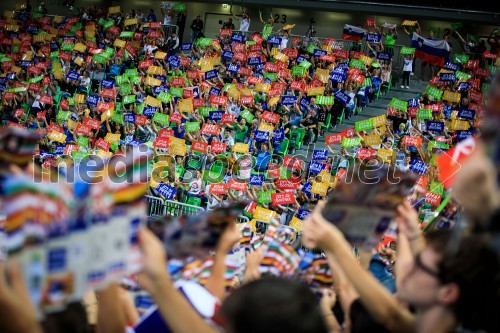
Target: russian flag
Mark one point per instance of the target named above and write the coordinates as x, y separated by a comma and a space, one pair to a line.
353, 33
434, 52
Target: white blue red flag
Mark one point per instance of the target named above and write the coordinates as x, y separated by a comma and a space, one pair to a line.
432, 51
353, 33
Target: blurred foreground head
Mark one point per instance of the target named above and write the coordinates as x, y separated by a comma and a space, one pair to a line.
17, 146
273, 305
460, 275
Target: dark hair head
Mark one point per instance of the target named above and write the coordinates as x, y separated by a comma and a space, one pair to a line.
474, 267
273, 305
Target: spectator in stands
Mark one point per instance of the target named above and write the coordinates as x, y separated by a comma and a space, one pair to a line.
139, 16
172, 44
196, 28
407, 69
228, 24
310, 124
263, 158
439, 268
151, 16
181, 23
244, 20
390, 39
168, 16
351, 92
494, 42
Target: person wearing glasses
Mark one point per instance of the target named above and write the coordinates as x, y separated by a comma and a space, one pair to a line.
450, 282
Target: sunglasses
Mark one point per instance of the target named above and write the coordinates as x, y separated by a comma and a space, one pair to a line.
420, 265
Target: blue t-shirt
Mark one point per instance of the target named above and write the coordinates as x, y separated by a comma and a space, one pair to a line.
179, 135
380, 271
263, 158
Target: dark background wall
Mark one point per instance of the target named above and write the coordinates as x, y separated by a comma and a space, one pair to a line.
329, 22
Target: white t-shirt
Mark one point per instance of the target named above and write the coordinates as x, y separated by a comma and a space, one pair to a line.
229, 141
234, 109
245, 169
244, 24
167, 20
284, 43
150, 48
403, 168
211, 201
407, 66
36, 103
84, 81
195, 186
352, 95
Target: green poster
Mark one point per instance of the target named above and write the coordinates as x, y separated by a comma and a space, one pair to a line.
284, 173
367, 82
125, 89
78, 155
434, 92
82, 141
160, 118
461, 58
265, 196
267, 31
99, 58
179, 7
398, 104
192, 126
363, 125
407, 50
325, 100
67, 46
350, 142
462, 76
205, 110
63, 115
131, 72
271, 76
247, 115
121, 79
306, 64
176, 91
298, 71
355, 63
203, 42
117, 118
129, 99
164, 97
311, 48
424, 114
126, 34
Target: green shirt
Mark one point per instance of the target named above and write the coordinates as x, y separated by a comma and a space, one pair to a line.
390, 39
267, 31
239, 135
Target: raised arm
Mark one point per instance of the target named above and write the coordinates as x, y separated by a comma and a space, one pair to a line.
260, 17
378, 301
215, 283
111, 314
174, 308
418, 30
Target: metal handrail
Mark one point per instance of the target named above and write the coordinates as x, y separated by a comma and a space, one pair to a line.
175, 208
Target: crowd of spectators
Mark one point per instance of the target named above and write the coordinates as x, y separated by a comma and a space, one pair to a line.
226, 119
